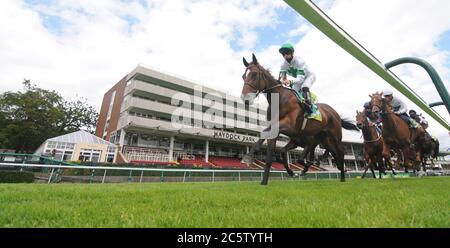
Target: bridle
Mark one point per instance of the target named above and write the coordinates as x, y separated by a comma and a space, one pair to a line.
381, 107
257, 89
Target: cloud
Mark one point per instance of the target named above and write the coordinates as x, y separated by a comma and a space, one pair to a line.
85, 47
389, 30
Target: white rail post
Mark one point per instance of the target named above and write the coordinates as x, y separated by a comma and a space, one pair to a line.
104, 176
50, 177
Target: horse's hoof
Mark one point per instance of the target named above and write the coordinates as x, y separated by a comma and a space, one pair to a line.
247, 159
290, 173
264, 183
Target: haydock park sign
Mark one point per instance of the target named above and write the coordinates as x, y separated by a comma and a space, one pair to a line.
234, 137
214, 116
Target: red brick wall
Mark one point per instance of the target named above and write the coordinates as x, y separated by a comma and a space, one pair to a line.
114, 119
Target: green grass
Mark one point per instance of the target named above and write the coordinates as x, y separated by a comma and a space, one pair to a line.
414, 202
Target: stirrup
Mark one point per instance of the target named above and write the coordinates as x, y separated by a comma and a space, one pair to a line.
308, 108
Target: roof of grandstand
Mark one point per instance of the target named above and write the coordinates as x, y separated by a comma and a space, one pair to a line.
80, 137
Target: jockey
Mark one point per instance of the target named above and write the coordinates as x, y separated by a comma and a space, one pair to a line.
368, 112
399, 107
424, 124
415, 116
373, 118
300, 77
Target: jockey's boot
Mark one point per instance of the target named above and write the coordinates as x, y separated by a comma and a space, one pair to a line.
307, 96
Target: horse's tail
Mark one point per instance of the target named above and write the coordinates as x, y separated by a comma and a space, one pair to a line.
346, 124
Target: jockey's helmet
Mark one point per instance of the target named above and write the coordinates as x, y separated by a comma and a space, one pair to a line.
367, 105
412, 111
286, 48
387, 92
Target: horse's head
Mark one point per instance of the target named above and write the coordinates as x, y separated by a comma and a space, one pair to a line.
376, 101
256, 80
360, 119
380, 104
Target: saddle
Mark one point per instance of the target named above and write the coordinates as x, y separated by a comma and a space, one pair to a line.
413, 124
315, 113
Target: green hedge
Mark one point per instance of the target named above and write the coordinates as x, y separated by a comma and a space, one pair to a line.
16, 176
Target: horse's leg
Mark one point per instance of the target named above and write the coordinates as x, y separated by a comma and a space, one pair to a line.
310, 147
407, 154
365, 170
372, 170
291, 145
368, 161
380, 170
381, 165
423, 161
269, 158
337, 151
326, 154
340, 159
249, 157
312, 156
387, 160
303, 158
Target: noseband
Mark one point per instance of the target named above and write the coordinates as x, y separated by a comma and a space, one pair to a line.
381, 111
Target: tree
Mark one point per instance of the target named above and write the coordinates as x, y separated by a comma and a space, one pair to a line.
78, 115
29, 118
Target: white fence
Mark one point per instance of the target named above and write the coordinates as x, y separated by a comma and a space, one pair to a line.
54, 173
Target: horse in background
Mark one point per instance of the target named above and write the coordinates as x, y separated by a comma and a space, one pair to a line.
373, 146
292, 121
429, 150
397, 135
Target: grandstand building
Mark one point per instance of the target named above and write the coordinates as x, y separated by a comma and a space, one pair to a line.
156, 117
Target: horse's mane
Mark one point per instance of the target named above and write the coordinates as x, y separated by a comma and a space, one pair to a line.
266, 73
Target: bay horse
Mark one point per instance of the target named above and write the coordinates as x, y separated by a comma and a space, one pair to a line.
372, 146
429, 150
327, 132
396, 133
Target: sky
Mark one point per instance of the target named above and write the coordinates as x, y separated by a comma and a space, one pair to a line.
81, 48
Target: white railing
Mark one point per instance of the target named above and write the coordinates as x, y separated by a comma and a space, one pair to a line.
145, 154
240, 174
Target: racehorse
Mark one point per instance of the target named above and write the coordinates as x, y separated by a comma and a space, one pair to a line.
429, 150
327, 132
372, 146
396, 133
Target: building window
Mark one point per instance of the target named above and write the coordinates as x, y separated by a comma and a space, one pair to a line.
67, 155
